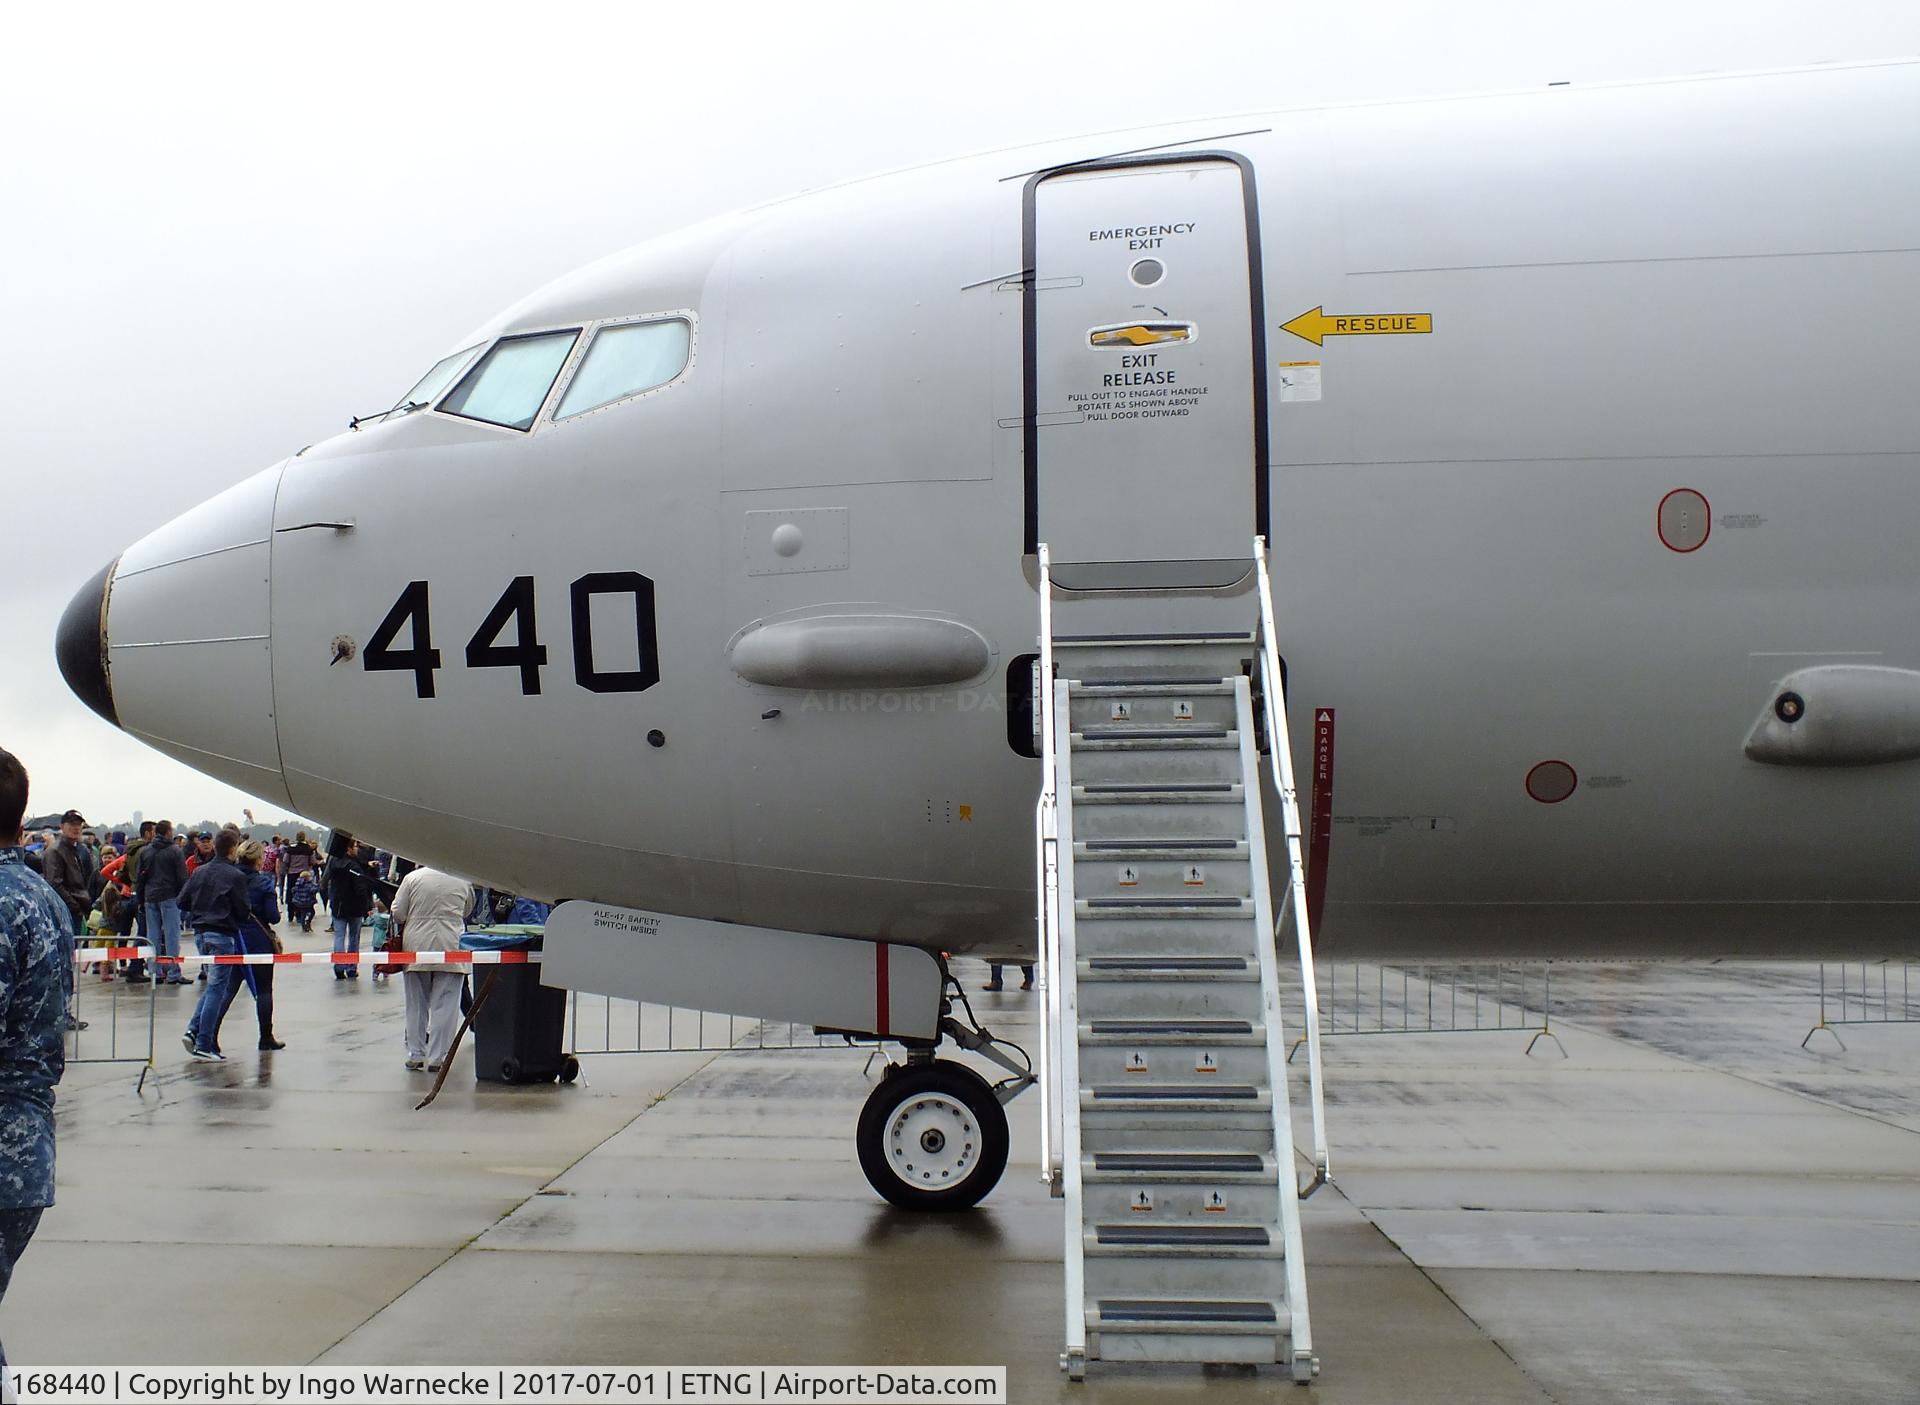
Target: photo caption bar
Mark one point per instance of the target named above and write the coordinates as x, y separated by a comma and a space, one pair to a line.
550, 1385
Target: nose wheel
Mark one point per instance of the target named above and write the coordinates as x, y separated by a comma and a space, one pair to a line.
933, 1136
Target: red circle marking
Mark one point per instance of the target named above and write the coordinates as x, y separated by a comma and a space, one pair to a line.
1706, 512
1572, 779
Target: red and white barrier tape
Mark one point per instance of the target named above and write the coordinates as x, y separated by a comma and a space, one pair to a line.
88, 955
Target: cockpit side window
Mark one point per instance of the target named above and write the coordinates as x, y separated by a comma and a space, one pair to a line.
511, 382
627, 359
434, 382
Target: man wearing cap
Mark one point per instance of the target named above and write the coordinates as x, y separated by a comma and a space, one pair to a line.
36, 962
69, 867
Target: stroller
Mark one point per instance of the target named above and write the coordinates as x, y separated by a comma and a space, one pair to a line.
300, 900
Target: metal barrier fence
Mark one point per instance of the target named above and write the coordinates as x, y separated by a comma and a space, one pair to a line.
601, 1024
1865, 992
112, 1021
1455, 998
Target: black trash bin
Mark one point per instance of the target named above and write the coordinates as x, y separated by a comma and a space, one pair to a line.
518, 1033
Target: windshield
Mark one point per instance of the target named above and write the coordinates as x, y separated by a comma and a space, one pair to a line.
627, 360
429, 387
511, 382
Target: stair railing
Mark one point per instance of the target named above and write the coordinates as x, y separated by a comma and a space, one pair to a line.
1046, 824
1280, 761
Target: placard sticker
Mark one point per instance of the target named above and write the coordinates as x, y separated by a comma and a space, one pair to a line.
1129, 876
1214, 1203
1183, 711
1195, 876
1299, 381
1136, 1062
1142, 1202
1206, 1062
1122, 711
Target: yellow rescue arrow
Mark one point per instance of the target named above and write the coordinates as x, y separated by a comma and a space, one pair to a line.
1317, 325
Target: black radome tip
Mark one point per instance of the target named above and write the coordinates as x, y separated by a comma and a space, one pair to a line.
81, 645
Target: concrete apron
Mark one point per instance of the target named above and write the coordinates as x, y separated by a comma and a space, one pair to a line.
1675, 1223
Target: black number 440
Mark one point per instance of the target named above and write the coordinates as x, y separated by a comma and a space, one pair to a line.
517, 607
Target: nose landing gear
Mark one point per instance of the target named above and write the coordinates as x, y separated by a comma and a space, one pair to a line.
933, 1133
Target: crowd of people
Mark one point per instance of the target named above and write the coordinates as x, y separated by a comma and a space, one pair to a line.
230, 893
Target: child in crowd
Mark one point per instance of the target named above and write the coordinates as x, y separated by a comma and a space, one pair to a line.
378, 923
300, 899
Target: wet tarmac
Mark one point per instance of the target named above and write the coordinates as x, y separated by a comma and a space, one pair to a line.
1688, 1207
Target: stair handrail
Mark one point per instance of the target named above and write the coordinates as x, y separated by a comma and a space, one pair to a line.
1280, 761
1047, 859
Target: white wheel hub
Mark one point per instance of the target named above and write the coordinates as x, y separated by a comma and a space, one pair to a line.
933, 1141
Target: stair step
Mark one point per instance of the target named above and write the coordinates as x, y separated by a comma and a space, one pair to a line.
1190, 877
1143, 814
1199, 997
1160, 848
1194, 1031
1113, 792
1126, 641
1181, 761
1168, 1314
1120, 737
1211, 1098
1171, 971
1210, 686
1116, 966
1225, 1240
1174, 1092
1225, 1166
1220, 908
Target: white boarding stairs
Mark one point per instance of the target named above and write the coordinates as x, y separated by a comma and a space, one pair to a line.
1168, 1128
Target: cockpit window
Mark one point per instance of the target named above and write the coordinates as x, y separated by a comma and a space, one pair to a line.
438, 379
511, 382
625, 360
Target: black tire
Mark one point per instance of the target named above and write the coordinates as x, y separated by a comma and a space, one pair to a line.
963, 1105
569, 1070
509, 1070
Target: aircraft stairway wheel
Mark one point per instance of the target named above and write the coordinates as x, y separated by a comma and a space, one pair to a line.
933, 1136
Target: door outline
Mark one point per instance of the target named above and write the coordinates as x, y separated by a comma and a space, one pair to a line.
1030, 331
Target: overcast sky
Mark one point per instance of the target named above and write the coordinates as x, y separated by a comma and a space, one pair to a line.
223, 231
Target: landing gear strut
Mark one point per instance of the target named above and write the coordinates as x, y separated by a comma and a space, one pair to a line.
933, 1133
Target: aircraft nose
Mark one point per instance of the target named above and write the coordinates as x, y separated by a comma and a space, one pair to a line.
80, 644
172, 642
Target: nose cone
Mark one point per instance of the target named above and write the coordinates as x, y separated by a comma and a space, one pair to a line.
173, 643
81, 645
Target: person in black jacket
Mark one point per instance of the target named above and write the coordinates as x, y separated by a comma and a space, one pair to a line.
70, 867
350, 899
217, 903
162, 876
256, 939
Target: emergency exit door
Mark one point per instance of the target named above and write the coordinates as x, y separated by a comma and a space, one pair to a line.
1146, 414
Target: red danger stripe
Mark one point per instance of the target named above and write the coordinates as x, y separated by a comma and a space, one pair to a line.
86, 955
1320, 821
882, 991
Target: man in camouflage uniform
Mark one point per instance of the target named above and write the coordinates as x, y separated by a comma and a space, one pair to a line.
36, 954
